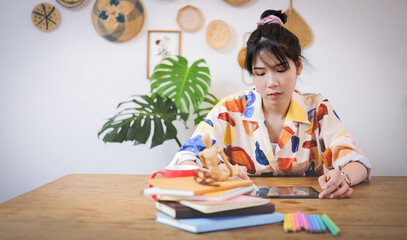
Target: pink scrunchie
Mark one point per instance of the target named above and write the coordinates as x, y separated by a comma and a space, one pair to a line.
270, 19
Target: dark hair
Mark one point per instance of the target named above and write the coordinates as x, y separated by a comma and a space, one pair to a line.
272, 38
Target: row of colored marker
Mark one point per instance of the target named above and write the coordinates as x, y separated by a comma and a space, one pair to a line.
295, 222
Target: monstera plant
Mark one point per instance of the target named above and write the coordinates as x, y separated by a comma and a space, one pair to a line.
177, 90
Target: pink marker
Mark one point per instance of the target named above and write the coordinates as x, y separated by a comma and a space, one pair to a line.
306, 226
297, 220
301, 223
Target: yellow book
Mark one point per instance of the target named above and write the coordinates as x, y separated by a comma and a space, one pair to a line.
187, 186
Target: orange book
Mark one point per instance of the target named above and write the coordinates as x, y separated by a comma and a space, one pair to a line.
187, 186
211, 196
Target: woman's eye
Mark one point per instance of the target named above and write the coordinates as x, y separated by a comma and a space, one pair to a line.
259, 74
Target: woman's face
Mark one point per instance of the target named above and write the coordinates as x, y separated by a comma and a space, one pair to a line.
274, 82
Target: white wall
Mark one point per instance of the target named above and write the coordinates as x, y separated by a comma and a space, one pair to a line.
58, 88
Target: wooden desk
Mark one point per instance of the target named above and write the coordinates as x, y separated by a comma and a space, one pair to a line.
93, 206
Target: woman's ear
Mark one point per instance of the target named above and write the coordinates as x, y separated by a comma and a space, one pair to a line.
299, 66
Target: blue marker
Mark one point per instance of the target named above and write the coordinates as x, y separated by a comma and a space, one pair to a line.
323, 228
315, 222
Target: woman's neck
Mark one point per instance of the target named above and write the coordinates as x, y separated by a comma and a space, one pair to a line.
276, 110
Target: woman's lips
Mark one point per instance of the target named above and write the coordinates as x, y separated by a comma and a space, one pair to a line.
274, 95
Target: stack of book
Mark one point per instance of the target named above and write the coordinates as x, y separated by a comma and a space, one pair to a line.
188, 205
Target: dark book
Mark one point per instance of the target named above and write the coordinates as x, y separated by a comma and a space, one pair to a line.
178, 211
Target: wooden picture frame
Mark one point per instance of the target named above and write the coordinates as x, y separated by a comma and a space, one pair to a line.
161, 44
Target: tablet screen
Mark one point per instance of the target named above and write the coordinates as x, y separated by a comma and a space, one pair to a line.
286, 192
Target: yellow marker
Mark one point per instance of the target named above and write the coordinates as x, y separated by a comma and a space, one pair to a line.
288, 222
285, 223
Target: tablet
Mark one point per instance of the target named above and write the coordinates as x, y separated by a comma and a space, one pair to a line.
286, 192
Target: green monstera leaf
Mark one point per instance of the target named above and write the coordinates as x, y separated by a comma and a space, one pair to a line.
175, 87
149, 114
210, 101
185, 85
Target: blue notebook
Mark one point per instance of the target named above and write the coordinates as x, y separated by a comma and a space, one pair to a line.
198, 225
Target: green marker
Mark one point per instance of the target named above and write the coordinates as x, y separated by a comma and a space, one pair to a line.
330, 225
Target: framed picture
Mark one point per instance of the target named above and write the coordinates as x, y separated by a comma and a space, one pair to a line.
161, 44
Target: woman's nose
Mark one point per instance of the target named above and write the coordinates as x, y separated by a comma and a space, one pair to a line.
272, 81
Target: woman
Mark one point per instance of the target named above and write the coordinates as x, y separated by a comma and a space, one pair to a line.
276, 130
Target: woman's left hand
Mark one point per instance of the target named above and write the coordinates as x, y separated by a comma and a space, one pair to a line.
333, 185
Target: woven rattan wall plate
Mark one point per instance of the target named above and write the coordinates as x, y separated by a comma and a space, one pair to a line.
189, 18
118, 21
241, 57
217, 34
70, 3
236, 2
297, 25
45, 16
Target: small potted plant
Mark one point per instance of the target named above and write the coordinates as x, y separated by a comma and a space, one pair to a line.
176, 90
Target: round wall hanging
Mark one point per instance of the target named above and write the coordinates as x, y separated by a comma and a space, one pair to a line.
236, 2
189, 18
70, 3
118, 20
241, 57
217, 34
45, 16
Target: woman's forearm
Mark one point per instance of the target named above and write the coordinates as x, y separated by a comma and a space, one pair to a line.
356, 171
189, 162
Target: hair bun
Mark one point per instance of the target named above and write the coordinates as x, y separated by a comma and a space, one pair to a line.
277, 13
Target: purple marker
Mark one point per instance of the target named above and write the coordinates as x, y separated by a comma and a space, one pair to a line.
301, 222
310, 224
304, 220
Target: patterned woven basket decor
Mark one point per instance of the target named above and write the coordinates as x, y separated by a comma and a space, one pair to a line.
45, 16
70, 3
118, 20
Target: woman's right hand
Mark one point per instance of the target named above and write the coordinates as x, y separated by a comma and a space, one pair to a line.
333, 185
242, 171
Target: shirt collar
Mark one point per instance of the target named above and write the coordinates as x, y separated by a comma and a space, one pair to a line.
254, 112
297, 110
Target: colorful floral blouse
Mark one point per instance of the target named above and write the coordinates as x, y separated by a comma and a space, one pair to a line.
312, 136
